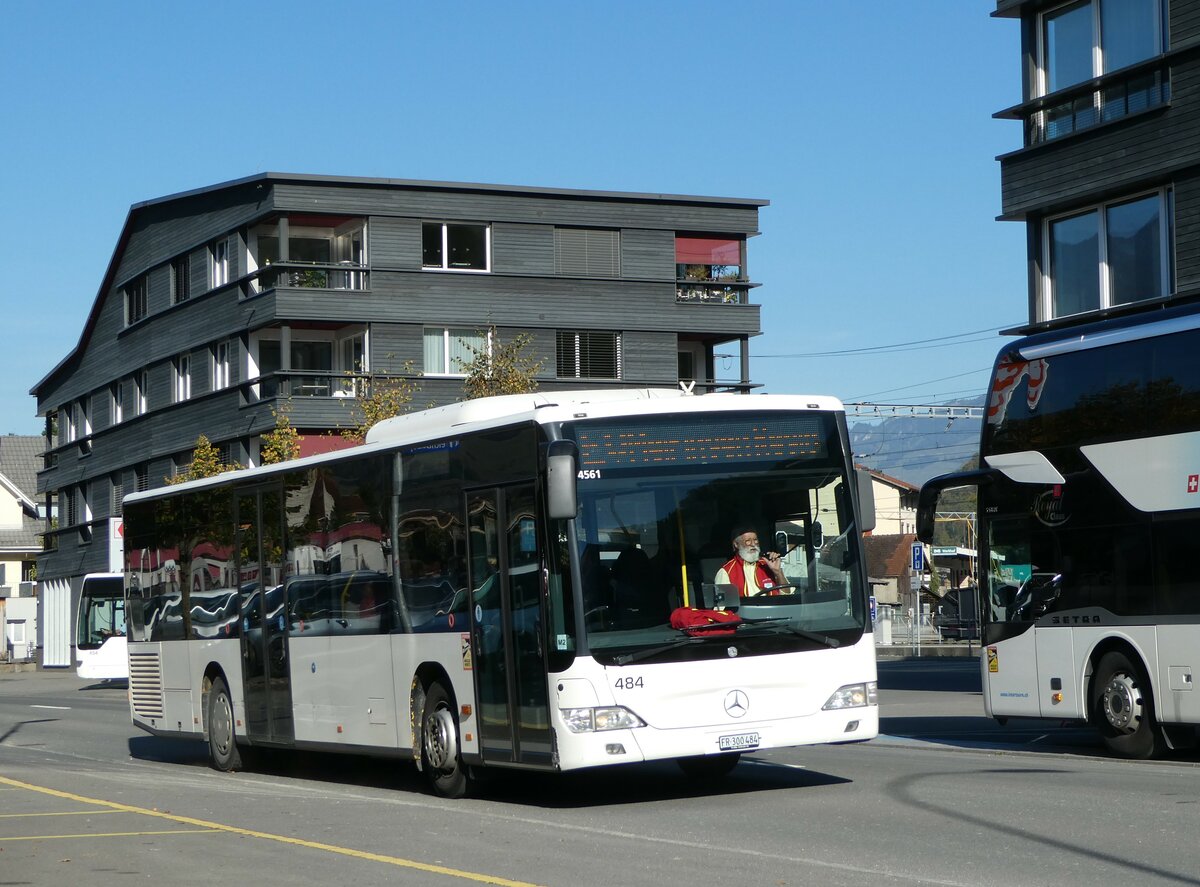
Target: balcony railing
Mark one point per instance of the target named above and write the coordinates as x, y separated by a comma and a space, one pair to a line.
711, 293
306, 275
319, 383
1095, 102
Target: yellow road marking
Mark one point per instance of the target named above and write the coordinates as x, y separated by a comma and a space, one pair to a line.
176, 831
267, 836
63, 813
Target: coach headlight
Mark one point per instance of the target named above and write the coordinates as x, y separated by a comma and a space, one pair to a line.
596, 720
853, 696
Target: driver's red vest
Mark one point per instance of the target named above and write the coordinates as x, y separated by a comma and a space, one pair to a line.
737, 576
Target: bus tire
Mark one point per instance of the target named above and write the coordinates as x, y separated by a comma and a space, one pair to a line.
1123, 708
709, 766
223, 751
440, 750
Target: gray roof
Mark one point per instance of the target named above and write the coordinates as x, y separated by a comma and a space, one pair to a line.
20, 459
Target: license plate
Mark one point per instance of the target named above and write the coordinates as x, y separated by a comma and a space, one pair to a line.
738, 741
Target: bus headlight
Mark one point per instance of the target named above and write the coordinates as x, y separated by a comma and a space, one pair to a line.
596, 720
853, 696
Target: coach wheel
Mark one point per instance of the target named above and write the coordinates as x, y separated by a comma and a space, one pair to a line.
439, 742
709, 766
222, 740
1123, 708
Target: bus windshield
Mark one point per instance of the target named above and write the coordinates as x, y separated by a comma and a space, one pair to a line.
101, 611
660, 505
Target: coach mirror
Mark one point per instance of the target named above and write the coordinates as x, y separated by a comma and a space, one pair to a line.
560, 479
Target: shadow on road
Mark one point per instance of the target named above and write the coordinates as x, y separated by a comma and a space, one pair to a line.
619, 784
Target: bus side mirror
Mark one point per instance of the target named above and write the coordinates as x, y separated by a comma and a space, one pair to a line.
927, 499
560, 480
866, 501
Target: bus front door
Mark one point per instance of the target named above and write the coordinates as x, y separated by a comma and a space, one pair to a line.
266, 680
507, 626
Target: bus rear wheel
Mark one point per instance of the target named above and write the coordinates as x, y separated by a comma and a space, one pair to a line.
1123, 708
222, 737
440, 750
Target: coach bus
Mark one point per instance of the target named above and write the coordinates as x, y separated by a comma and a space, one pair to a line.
100, 628
1089, 511
524, 581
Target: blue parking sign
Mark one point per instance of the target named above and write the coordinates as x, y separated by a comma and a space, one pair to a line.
918, 557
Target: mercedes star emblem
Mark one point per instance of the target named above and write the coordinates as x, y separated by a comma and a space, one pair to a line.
737, 703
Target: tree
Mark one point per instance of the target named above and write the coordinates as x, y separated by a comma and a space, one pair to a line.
503, 368
283, 441
382, 397
206, 462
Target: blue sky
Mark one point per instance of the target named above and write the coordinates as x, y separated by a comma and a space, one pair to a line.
866, 124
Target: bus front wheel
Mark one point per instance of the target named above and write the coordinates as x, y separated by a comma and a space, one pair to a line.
1123, 708
443, 764
222, 738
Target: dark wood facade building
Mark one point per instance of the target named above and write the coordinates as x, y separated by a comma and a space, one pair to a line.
1108, 178
224, 304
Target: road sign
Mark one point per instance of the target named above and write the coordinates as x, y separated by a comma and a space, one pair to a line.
918, 557
873, 609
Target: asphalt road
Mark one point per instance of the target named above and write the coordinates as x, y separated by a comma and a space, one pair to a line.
946, 798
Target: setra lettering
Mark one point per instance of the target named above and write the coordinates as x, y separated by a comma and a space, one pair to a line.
1075, 620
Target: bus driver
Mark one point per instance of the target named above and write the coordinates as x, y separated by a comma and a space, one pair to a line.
749, 573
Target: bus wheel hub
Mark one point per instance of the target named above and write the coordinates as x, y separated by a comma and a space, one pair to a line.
440, 739
1122, 703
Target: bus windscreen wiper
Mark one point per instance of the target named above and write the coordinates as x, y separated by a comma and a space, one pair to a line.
698, 634
638, 655
799, 632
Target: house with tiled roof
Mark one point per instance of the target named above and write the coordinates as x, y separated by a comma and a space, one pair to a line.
20, 543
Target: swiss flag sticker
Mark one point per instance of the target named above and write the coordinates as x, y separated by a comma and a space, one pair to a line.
1194, 483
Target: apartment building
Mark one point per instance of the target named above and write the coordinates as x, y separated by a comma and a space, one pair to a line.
1107, 180
223, 304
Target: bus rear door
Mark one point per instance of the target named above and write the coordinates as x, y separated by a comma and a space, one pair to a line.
507, 625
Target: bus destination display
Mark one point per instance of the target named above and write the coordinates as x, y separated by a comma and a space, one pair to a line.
719, 441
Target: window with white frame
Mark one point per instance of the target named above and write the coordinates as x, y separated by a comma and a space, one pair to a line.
181, 377
116, 405
588, 354
1085, 39
181, 279
141, 390
220, 365
455, 246
118, 493
218, 252
135, 300
1108, 255
448, 350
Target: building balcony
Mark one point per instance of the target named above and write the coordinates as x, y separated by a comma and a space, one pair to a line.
1102, 100
309, 275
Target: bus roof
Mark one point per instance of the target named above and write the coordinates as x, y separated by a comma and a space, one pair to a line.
541, 407
1111, 331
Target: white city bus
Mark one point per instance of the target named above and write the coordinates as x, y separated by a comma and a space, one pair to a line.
1089, 511
100, 628
493, 583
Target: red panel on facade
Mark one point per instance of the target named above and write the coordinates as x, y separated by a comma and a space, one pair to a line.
313, 444
708, 251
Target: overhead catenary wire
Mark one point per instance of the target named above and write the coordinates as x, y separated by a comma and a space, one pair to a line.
942, 341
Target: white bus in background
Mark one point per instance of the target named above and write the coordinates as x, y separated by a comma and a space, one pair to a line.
495, 584
100, 647
1089, 512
